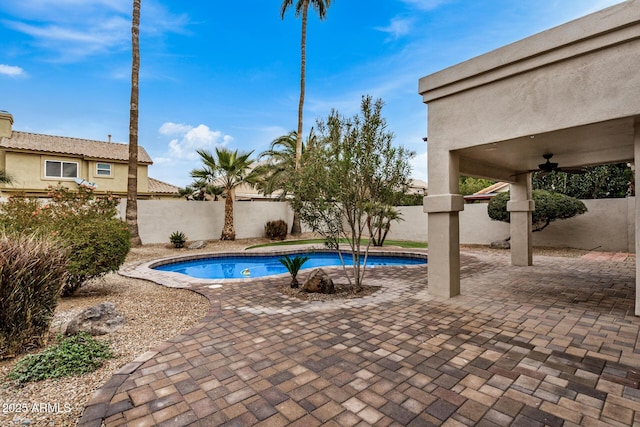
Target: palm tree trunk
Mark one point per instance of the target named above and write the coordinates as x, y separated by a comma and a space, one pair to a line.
303, 67
228, 231
296, 228
132, 178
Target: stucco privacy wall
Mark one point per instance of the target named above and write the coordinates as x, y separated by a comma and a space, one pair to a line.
157, 219
608, 225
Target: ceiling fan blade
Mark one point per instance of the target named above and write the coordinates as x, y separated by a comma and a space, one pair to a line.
578, 170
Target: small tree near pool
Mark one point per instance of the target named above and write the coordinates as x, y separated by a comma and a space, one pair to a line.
350, 167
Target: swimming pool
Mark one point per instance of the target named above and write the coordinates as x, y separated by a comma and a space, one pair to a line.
252, 265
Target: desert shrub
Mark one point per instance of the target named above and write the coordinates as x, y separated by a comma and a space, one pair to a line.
75, 355
276, 230
549, 207
97, 247
32, 273
85, 225
178, 238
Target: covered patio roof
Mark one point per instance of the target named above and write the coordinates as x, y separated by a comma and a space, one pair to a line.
571, 91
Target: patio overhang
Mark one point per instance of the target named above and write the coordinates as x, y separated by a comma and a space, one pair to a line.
571, 91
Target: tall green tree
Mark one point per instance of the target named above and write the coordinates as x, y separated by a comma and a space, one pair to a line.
132, 177
352, 165
470, 185
597, 182
301, 10
228, 169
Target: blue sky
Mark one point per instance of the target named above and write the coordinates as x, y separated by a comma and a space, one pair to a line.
227, 73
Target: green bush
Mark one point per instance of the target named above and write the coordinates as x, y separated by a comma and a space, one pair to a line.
178, 238
549, 207
276, 230
75, 355
97, 247
97, 242
32, 274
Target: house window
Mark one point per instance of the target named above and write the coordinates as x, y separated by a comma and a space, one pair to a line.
103, 169
56, 169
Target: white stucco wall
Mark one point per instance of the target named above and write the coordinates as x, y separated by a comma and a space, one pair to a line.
608, 225
157, 219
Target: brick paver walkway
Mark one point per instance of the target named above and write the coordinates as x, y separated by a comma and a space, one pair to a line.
556, 344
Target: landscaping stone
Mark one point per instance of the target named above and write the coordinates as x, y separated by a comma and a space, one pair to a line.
318, 282
97, 320
198, 245
500, 244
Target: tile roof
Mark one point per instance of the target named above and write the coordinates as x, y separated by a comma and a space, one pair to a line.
492, 188
156, 186
72, 146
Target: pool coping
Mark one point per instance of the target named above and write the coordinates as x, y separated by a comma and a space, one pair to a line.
145, 269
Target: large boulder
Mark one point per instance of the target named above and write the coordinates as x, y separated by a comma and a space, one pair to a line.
198, 245
97, 320
500, 244
318, 282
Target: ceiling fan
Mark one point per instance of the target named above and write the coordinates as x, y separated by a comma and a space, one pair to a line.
550, 166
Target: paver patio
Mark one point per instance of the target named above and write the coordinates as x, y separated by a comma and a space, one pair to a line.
554, 344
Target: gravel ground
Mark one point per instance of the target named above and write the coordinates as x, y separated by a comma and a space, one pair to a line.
153, 314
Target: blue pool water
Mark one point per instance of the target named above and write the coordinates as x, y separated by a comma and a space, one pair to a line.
251, 266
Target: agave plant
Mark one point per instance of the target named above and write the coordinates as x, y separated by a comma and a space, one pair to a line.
293, 265
178, 238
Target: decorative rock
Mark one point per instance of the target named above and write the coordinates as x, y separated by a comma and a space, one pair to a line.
98, 320
500, 244
318, 282
198, 245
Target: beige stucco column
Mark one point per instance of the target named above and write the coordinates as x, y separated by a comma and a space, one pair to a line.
520, 207
442, 206
636, 155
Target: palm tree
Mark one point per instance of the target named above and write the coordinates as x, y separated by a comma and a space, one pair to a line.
280, 163
379, 217
293, 266
301, 9
4, 178
229, 169
277, 171
132, 179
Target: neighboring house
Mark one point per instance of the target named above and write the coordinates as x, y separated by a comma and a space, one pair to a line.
486, 194
418, 186
35, 162
162, 190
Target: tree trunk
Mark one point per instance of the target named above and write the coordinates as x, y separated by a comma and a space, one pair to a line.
132, 177
303, 66
296, 227
228, 232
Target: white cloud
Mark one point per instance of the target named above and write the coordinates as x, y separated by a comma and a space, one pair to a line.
419, 166
187, 139
12, 70
71, 30
398, 27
